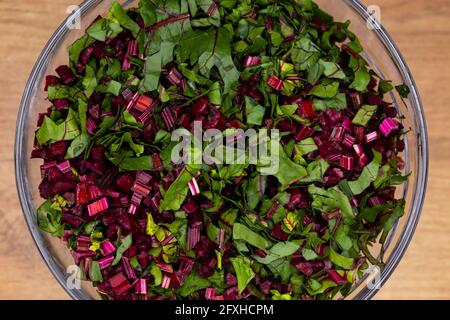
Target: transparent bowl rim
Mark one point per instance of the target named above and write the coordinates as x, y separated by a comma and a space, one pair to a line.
422, 170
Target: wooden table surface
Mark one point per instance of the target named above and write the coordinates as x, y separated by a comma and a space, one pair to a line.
421, 29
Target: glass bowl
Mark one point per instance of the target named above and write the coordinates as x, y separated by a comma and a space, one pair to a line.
380, 51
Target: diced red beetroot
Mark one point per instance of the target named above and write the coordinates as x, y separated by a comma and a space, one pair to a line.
82, 194
136, 200
400, 145
91, 126
193, 187
40, 120
269, 23
372, 84
371, 137
233, 123
186, 265
58, 149
212, 9
132, 101
61, 187
190, 207
140, 287
94, 192
333, 176
157, 162
165, 267
95, 111
346, 162
97, 154
374, 100
347, 124
83, 243
230, 280
86, 55
86, 265
64, 166
266, 286
127, 268
66, 75
99, 51
255, 94
126, 64
105, 262
54, 175
349, 50
81, 255
217, 121
174, 76
124, 182
193, 237
287, 126
273, 209
251, 61
320, 23
185, 121
388, 125
120, 48
201, 106
359, 151
46, 166
38, 154
155, 201
60, 104
98, 206
205, 269
127, 94
306, 268
334, 117
119, 284
147, 201
166, 282
355, 99
303, 133
298, 199
348, 141
359, 134
107, 248
111, 193
212, 263
51, 81
141, 189
146, 116
337, 134
261, 253
335, 277
124, 198
231, 294
71, 219
143, 103
375, 201
210, 293
168, 118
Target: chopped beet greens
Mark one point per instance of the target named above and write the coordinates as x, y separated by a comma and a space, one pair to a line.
141, 227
